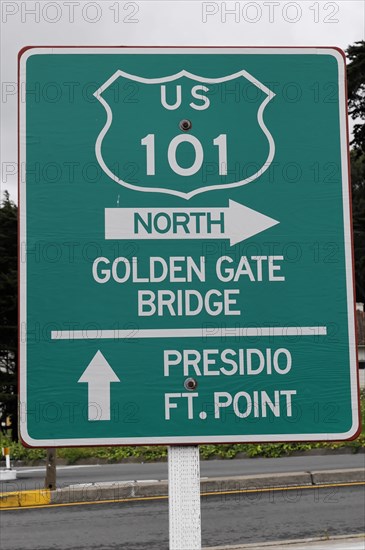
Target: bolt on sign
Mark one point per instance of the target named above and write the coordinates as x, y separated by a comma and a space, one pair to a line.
186, 265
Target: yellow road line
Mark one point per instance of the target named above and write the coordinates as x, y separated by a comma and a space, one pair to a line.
109, 501
25, 506
293, 488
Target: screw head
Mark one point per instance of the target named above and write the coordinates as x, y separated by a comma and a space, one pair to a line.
185, 125
190, 384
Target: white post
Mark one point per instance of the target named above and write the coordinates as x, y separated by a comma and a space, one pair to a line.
184, 498
7, 459
7, 473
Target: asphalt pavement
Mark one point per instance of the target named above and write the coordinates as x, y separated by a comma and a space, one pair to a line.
304, 497
228, 521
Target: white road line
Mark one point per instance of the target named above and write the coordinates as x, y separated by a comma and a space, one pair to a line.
43, 468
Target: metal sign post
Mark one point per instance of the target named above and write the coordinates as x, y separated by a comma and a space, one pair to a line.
50, 481
184, 498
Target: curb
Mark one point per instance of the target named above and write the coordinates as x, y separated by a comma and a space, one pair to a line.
134, 490
338, 476
19, 499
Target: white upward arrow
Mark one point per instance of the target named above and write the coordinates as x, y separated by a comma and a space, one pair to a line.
235, 222
99, 375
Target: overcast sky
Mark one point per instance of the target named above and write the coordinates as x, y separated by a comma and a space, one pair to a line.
149, 22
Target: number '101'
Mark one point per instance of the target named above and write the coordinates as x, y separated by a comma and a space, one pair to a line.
220, 142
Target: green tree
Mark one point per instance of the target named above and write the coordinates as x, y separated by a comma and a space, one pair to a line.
356, 105
8, 312
356, 92
358, 220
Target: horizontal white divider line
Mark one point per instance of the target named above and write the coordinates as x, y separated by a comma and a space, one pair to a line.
203, 332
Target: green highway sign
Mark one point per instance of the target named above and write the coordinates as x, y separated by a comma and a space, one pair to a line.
185, 246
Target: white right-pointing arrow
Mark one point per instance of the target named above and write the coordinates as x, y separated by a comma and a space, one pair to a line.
242, 222
235, 222
98, 375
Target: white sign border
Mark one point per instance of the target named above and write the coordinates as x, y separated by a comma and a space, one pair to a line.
24, 55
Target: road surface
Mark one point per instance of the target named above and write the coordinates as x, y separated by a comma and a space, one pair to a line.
226, 519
